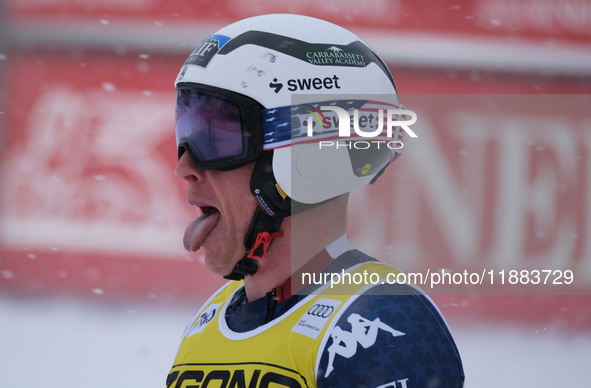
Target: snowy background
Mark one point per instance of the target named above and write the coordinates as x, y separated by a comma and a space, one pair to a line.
69, 343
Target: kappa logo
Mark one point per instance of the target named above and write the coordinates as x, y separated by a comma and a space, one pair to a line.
316, 83
363, 332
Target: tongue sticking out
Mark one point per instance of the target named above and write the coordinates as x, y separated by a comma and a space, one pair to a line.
198, 230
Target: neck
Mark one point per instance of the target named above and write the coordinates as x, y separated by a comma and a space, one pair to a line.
305, 235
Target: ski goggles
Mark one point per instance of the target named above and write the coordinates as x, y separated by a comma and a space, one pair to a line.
219, 129
222, 130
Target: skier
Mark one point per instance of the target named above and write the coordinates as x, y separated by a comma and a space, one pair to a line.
273, 208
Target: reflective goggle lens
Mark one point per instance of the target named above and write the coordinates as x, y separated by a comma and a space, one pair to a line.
212, 126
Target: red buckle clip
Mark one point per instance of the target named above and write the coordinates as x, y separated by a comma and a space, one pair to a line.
264, 239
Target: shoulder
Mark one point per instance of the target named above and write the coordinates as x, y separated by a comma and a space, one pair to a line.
211, 307
391, 335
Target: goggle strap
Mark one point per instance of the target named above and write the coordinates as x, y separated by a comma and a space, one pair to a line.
287, 125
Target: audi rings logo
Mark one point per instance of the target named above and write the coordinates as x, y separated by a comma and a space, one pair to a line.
321, 310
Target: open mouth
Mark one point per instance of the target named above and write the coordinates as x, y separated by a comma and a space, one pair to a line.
208, 210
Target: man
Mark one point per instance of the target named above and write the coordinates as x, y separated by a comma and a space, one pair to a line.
253, 104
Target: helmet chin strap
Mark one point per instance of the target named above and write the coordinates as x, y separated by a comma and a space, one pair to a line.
263, 229
273, 206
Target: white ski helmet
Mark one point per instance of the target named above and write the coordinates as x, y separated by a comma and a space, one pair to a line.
253, 70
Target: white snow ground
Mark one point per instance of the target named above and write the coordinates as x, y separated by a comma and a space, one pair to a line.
64, 343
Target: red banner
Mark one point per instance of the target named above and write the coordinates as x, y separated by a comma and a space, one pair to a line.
493, 181
89, 196
566, 20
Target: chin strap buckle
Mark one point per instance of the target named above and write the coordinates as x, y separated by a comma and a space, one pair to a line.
262, 242
266, 229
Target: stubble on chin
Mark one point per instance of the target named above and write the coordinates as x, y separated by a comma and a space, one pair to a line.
221, 264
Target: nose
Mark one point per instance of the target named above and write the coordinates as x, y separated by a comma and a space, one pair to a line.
185, 169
